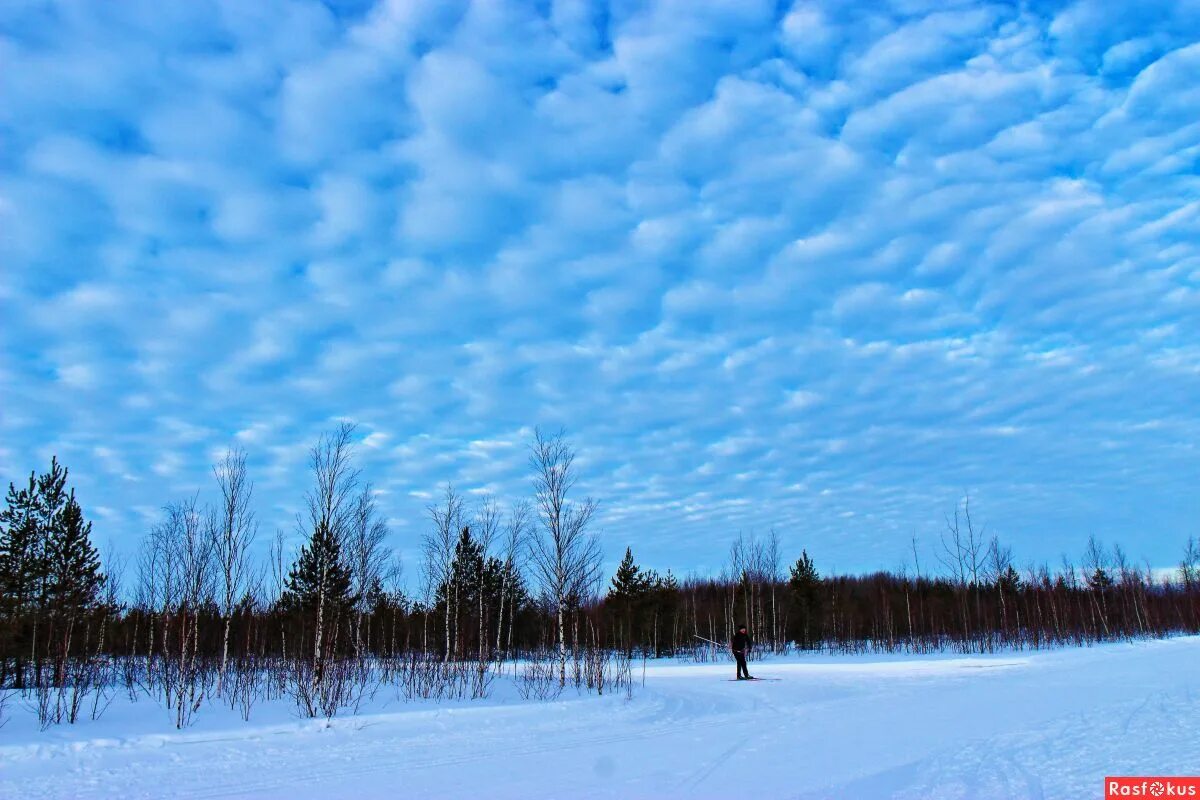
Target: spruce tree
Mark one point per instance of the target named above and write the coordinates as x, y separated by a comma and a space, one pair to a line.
1009, 580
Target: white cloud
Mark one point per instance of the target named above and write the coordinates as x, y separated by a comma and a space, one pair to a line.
753, 261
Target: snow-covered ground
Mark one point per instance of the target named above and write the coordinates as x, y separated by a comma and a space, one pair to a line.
1043, 725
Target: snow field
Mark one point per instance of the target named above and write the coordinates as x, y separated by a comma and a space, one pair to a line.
1016, 725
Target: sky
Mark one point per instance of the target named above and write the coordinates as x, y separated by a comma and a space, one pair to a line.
820, 267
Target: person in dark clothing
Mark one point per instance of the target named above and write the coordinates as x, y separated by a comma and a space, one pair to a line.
741, 645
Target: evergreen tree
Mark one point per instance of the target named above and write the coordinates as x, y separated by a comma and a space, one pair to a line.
1009, 581
461, 573
46, 554
22, 549
515, 590
375, 597
73, 577
516, 594
804, 585
627, 596
629, 583
804, 575
320, 572
669, 583
1100, 579
52, 496
466, 569
493, 575
472, 587
665, 598
49, 570
650, 582
492, 584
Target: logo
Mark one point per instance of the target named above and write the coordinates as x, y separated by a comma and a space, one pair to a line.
1157, 786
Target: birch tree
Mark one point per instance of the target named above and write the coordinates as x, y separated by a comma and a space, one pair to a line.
367, 556
232, 528
320, 582
515, 531
772, 564
446, 518
487, 527
186, 572
565, 555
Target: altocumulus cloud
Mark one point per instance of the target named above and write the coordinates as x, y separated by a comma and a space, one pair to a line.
817, 267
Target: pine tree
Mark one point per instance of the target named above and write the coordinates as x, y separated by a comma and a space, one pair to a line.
46, 554
459, 594
49, 569
629, 582
516, 593
22, 550
804, 584
516, 599
466, 569
74, 580
669, 583
491, 585
21, 569
627, 595
320, 572
804, 575
51, 495
493, 576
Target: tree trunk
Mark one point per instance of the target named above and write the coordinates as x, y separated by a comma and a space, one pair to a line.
224, 654
562, 643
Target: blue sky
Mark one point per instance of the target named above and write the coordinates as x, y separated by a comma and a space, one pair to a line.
819, 267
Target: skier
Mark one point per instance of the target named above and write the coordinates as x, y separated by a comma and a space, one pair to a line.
740, 644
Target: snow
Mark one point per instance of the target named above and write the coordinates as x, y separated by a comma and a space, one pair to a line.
1015, 725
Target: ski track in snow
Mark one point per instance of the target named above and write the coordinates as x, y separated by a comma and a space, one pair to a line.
1042, 726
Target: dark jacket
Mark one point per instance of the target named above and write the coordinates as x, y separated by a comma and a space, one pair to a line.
741, 642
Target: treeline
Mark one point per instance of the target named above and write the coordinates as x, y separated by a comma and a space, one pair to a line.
194, 619
980, 604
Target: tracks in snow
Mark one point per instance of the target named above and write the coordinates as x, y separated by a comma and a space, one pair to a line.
367, 765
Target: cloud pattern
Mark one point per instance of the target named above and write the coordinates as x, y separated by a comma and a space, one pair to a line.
818, 267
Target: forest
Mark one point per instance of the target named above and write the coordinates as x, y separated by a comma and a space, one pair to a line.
192, 617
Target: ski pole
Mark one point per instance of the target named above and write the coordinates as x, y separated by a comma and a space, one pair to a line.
710, 641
